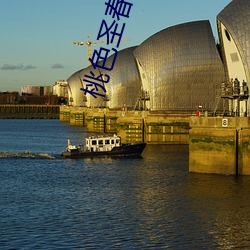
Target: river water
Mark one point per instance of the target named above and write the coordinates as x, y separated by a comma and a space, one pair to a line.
150, 203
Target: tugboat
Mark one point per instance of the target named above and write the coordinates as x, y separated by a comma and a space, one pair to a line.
96, 146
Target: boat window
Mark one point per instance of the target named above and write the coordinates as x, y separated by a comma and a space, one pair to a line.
112, 141
94, 142
100, 142
107, 142
117, 141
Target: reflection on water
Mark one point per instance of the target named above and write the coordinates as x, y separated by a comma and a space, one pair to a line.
107, 203
224, 201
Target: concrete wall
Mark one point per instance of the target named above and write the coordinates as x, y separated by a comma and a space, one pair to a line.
167, 129
219, 145
64, 114
132, 126
216, 145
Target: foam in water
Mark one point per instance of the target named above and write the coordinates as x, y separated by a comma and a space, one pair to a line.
26, 154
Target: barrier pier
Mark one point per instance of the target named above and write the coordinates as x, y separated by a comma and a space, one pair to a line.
219, 145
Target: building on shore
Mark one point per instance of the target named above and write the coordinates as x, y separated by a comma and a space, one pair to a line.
60, 89
9, 97
37, 90
52, 95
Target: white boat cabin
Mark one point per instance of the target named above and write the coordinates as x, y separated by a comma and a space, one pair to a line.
105, 143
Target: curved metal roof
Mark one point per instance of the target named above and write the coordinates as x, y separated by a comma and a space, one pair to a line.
76, 97
124, 86
180, 67
94, 100
236, 18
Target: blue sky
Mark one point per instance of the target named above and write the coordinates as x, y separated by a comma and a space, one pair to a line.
36, 35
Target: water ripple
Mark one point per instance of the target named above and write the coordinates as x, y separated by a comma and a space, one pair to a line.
148, 203
26, 154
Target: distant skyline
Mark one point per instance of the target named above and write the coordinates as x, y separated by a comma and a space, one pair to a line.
36, 35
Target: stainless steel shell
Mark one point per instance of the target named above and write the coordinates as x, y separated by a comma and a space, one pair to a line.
180, 67
124, 86
236, 18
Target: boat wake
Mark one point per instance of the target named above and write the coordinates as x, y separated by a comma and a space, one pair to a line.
26, 154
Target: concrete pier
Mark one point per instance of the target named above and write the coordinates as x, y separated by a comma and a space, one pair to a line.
132, 126
219, 145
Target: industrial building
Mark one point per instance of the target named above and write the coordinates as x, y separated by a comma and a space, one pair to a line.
60, 89
9, 97
37, 90
40, 95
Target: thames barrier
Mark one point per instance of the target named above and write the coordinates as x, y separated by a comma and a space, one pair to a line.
179, 86
155, 90
132, 126
219, 145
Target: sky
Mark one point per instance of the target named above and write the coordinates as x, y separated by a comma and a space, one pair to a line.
36, 35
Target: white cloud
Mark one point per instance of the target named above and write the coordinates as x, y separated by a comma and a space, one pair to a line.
57, 66
21, 66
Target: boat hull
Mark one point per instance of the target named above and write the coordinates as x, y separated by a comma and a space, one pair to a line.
126, 150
